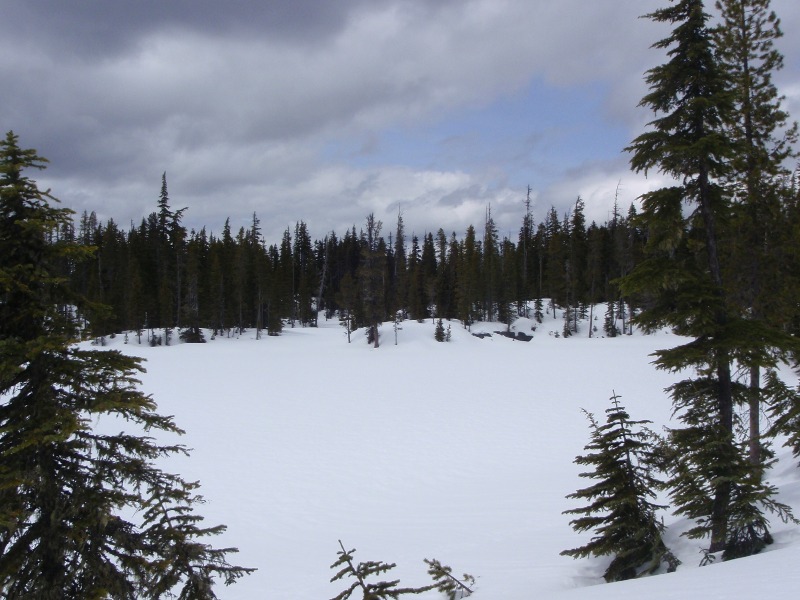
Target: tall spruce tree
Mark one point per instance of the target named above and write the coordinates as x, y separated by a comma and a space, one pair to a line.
371, 277
83, 514
621, 512
682, 272
760, 126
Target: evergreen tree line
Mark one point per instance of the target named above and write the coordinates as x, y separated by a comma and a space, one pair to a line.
159, 276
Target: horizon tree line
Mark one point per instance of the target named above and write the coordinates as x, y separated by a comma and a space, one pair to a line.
160, 276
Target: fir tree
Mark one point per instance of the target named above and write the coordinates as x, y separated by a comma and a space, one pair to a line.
400, 267
82, 514
699, 455
610, 321
682, 271
620, 512
760, 127
784, 411
538, 315
467, 287
439, 333
346, 299
371, 277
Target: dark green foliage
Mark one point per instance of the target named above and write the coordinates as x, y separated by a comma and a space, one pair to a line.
83, 514
443, 580
159, 277
682, 275
763, 274
538, 316
371, 274
193, 335
620, 512
610, 321
439, 333
699, 456
784, 410
380, 590
448, 584
567, 329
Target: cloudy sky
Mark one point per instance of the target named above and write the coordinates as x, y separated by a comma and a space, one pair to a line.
327, 110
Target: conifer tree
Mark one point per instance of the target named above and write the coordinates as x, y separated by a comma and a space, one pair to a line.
682, 271
687, 141
784, 411
698, 455
555, 261
492, 275
371, 278
82, 514
538, 315
428, 270
760, 127
305, 273
610, 321
621, 512
417, 295
195, 250
467, 280
439, 333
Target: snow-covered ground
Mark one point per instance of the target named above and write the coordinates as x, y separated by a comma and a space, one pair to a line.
459, 451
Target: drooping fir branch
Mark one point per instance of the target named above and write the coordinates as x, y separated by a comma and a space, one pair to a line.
443, 579
784, 411
381, 590
447, 583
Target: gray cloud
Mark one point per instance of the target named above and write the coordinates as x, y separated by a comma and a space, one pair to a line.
238, 101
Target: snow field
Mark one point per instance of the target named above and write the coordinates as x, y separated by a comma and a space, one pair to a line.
459, 451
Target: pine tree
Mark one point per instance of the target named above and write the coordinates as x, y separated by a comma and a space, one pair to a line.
492, 276
699, 455
82, 514
305, 273
400, 267
371, 277
439, 333
428, 270
538, 315
682, 271
195, 251
467, 286
529, 251
417, 295
760, 127
620, 512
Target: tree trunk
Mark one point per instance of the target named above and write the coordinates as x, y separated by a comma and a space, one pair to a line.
722, 491
754, 402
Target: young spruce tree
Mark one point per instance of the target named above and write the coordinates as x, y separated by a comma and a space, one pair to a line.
620, 511
83, 514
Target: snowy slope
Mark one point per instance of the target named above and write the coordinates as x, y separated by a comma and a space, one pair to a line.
459, 451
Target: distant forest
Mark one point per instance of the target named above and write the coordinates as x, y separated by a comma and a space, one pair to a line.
159, 276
